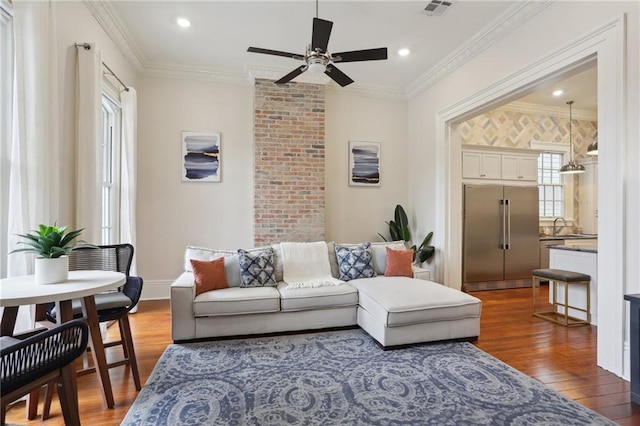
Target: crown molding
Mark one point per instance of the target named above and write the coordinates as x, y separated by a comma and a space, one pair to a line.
274, 73
116, 30
109, 21
193, 73
504, 24
528, 108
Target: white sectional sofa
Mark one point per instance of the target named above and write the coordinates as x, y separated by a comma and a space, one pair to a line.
393, 310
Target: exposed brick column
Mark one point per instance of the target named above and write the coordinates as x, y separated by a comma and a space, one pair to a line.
289, 162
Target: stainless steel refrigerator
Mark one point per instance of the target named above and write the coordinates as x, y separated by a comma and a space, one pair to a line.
501, 236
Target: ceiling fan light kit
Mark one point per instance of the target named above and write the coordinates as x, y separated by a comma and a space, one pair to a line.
318, 60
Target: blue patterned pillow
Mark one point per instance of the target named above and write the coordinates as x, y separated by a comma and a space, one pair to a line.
256, 268
355, 262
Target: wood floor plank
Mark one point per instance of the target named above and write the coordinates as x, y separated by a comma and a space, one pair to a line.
562, 358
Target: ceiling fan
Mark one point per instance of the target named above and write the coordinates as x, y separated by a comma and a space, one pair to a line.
318, 60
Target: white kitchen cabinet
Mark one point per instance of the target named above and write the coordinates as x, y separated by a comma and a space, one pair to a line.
588, 196
479, 165
584, 262
519, 167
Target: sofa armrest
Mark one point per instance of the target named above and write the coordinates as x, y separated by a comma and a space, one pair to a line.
421, 274
183, 320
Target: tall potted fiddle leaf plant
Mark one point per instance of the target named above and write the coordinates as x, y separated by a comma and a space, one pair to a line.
52, 245
399, 231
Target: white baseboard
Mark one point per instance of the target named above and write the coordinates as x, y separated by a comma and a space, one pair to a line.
156, 290
626, 356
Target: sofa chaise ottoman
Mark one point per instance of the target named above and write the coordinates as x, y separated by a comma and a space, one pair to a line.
394, 310
399, 311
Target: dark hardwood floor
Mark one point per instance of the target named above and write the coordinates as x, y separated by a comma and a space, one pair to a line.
562, 358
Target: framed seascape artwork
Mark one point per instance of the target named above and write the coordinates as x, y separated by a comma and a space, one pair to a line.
201, 157
364, 163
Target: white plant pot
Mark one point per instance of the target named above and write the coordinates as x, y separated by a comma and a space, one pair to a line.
51, 271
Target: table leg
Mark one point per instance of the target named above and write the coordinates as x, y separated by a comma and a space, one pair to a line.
97, 348
9, 316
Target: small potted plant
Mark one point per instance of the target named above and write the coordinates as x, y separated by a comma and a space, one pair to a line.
52, 245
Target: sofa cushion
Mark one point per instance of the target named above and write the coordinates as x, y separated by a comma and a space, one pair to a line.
256, 268
399, 301
379, 253
209, 275
355, 262
300, 299
234, 300
399, 263
333, 260
231, 261
204, 254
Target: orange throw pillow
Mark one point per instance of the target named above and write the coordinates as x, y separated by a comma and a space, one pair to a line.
209, 275
399, 263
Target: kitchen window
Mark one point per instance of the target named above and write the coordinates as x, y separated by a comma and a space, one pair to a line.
555, 195
550, 185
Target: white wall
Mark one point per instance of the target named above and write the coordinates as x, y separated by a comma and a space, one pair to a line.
353, 213
532, 42
173, 214
75, 24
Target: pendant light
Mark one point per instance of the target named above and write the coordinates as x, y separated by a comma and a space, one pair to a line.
571, 167
592, 149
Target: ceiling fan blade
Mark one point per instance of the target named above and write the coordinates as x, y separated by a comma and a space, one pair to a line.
293, 74
276, 53
361, 55
320, 35
338, 76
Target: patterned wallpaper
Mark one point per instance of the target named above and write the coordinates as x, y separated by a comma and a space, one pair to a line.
509, 129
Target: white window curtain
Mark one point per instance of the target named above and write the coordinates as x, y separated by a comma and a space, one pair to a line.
128, 179
34, 158
34, 152
6, 119
88, 139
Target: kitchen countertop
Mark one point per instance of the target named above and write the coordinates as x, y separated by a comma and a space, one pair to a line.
569, 237
589, 248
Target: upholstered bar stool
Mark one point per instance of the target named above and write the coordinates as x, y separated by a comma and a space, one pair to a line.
568, 279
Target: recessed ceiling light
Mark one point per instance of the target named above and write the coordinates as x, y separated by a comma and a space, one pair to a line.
557, 92
404, 51
183, 22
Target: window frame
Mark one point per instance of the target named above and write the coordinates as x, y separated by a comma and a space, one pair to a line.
567, 181
110, 181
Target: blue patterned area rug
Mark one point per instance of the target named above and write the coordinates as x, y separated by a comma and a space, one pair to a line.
344, 378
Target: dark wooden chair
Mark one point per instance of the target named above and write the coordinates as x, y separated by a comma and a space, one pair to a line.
46, 357
111, 306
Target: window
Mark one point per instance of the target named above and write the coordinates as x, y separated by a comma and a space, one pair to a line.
111, 117
555, 191
550, 185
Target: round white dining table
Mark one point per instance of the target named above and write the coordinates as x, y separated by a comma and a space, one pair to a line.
83, 285
23, 290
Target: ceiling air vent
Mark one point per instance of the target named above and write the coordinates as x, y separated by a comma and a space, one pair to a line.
437, 7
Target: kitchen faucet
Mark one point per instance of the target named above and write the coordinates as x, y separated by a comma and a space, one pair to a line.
555, 222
